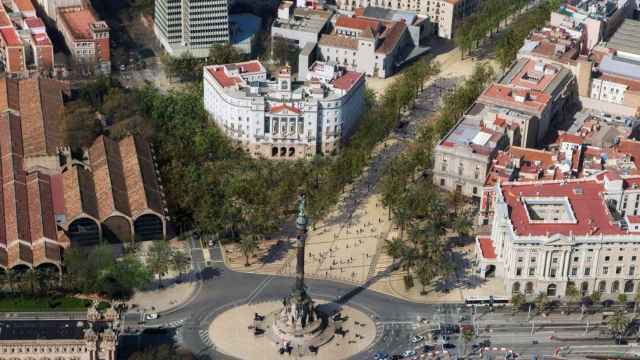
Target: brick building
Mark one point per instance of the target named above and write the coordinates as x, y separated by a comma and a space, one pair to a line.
86, 37
49, 200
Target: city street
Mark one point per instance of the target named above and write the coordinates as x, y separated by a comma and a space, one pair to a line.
396, 320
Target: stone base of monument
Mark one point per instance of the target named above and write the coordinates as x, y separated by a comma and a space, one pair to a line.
233, 332
314, 334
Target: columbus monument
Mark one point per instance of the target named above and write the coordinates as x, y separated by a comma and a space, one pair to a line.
299, 324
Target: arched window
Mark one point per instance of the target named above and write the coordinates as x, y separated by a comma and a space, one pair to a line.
516, 288
551, 290
584, 288
602, 286
628, 286
615, 287
529, 288
274, 151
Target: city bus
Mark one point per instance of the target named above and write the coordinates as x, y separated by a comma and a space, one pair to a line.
486, 301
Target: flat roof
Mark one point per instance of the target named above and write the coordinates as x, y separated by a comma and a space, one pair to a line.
78, 20
627, 37
620, 66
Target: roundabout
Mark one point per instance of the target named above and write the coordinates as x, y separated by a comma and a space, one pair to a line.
231, 334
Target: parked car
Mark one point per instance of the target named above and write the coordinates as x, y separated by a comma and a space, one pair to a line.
151, 316
448, 346
428, 348
416, 339
381, 356
408, 353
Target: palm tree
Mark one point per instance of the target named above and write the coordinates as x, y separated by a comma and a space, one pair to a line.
622, 299
573, 294
462, 225
426, 272
517, 300
394, 248
618, 325
248, 245
636, 300
541, 303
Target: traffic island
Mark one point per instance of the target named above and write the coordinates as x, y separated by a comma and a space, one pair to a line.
233, 333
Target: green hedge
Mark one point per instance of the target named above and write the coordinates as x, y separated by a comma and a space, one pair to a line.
29, 304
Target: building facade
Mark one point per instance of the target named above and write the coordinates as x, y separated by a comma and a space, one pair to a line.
283, 118
191, 25
444, 14
90, 337
86, 37
24, 43
549, 235
51, 200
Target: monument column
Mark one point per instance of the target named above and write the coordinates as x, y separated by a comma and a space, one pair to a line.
301, 227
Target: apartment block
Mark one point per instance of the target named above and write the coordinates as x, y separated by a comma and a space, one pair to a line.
191, 25
444, 14
86, 37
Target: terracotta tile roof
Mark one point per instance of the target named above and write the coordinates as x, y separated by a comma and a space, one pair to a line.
341, 41
142, 185
503, 95
391, 37
34, 22
633, 85
486, 247
5, 21
79, 194
279, 108
109, 178
569, 138
24, 5
357, 23
10, 37
347, 80
585, 199
78, 20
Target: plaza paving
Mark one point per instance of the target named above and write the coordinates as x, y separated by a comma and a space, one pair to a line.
230, 334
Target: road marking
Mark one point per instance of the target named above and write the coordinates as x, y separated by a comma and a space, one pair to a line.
259, 289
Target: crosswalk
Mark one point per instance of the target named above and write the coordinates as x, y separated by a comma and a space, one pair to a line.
204, 336
175, 324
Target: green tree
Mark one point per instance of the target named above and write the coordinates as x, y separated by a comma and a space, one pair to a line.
595, 297
248, 246
394, 248
541, 303
223, 54
180, 262
517, 300
636, 300
618, 324
622, 299
159, 258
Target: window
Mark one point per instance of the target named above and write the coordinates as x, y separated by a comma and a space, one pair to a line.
576, 259
444, 163
632, 270
519, 272
533, 260
574, 271
606, 258
587, 271
554, 260
552, 272
532, 271
589, 258
460, 169
475, 190
520, 259
618, 270
605, 270
441, 182
633, 258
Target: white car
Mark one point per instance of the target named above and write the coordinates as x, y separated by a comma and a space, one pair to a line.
408, 353
151, 316
416, 339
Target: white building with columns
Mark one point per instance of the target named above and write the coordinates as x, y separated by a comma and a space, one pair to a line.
284, 118
548, 235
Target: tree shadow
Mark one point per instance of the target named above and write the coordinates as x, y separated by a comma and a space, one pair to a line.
276, 252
